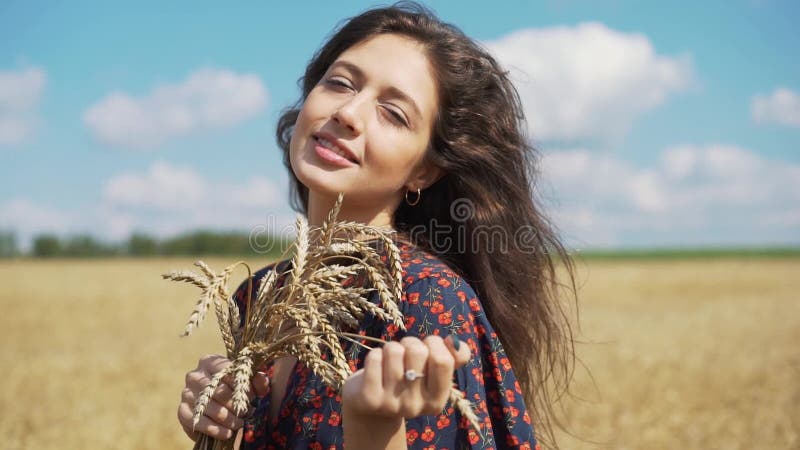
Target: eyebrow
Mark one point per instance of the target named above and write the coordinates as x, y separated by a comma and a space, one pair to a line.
395, 92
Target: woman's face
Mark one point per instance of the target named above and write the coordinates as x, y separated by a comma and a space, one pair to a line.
378, 101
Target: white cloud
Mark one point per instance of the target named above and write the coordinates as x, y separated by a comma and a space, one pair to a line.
208, 98
162, 186
167, 187
21, 213
588, 81
163, 200
167, 199
20, 93
782, 107
706, 195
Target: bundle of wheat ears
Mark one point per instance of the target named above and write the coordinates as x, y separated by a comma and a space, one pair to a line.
306, 316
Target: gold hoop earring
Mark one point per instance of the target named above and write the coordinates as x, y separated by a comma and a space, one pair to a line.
419, 195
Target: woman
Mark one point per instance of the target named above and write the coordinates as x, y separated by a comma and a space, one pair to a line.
422, 131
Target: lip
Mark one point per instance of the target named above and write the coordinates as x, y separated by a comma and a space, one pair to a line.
351, 157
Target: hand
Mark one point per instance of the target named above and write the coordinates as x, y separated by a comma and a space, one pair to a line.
381, 389
219, 420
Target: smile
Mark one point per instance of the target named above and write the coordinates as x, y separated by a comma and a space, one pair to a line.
330, 152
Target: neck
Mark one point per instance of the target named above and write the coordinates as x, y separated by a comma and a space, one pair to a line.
319, 206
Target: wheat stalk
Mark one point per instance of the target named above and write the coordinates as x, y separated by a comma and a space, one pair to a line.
305, 316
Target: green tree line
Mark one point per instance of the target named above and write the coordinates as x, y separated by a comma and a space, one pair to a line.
142, 245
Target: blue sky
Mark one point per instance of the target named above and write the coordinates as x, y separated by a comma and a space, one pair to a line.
660, 123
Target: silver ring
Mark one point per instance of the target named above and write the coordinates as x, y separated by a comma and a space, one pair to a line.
412, 375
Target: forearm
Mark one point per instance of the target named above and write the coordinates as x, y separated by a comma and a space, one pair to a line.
371, 433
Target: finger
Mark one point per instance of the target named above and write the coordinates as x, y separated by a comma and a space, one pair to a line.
439, 375
260, 384
214, 411
223, 394
393, 367
373, 372
212, 364
414, 358
363, 390
205, 425
459, 349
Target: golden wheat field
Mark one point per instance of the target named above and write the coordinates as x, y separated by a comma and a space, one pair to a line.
691, 354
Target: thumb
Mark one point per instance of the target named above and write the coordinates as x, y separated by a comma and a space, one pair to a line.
459, 349
260, 384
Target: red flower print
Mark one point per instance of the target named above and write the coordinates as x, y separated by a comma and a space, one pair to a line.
279, 438
476, 372
317, 401
443, 422
437, 307
315, 446
462, 296
335, 419
428, 434
510, 395
413, 298
410, 321
444, 282
512, 440
411, 436
446, 318
526, 417
505, 363
473, 436
497, 375
474, 304
249, 436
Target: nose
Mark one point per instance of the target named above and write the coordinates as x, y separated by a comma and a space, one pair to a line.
349, 116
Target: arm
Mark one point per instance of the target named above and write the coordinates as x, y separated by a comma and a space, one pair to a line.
364, 432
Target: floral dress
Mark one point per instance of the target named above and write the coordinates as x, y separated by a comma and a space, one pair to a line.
435, 301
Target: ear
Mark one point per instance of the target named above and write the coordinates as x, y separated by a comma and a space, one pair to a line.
424, 175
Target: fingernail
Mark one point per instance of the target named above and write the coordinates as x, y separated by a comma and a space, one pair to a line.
456, 341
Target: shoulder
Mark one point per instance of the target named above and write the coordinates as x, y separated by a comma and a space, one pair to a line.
436, 298
421, 267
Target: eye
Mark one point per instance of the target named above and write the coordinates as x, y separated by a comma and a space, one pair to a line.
396, 117
338, 82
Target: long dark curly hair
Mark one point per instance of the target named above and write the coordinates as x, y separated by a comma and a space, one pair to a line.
489, 223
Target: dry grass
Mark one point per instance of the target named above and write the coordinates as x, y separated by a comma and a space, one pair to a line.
689, 354
696, 354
